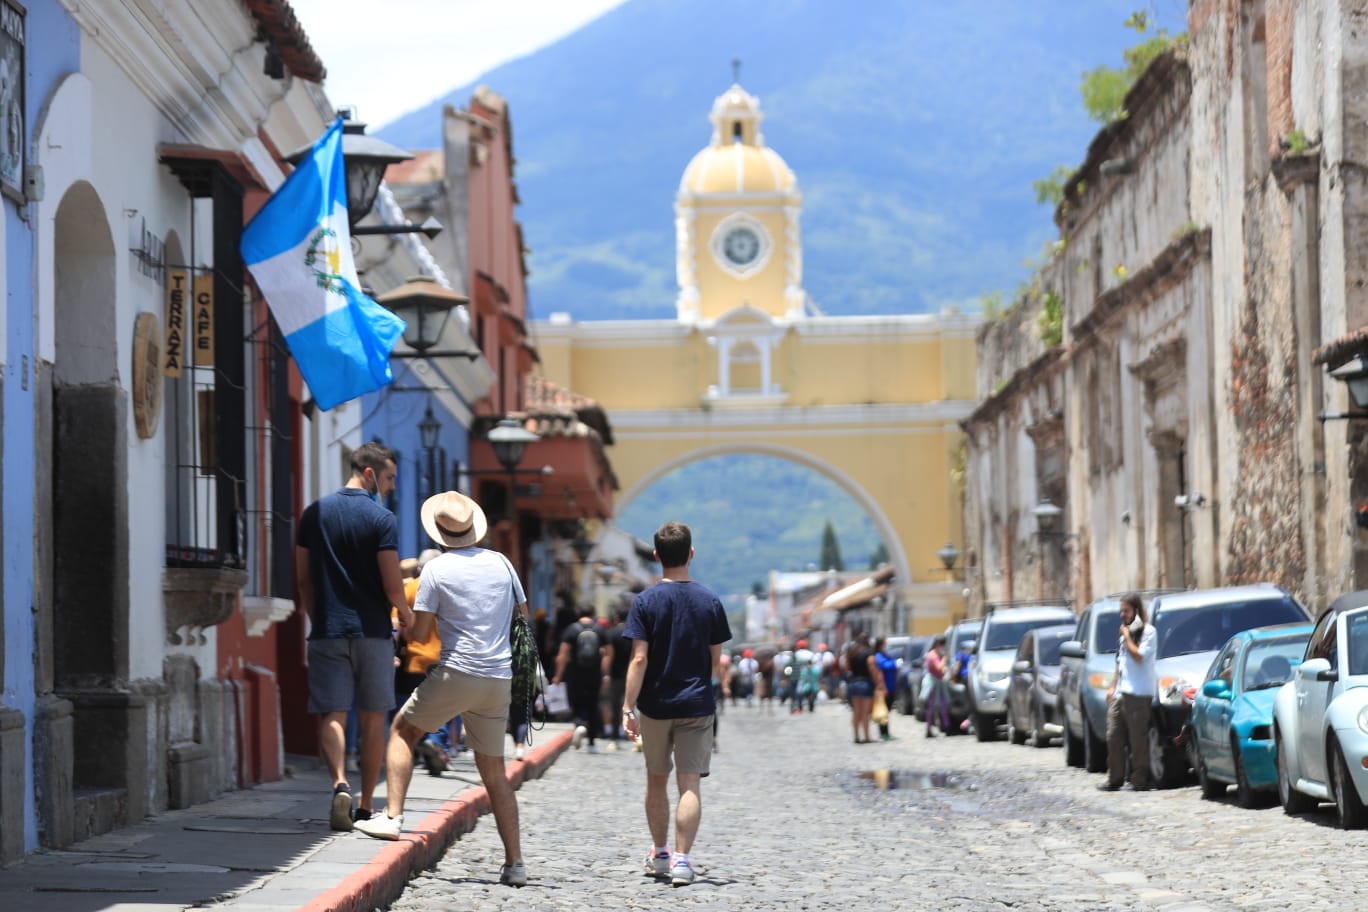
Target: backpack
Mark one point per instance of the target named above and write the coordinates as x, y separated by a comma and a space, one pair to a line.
587, 654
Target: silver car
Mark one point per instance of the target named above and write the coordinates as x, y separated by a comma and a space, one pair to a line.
1087, 667
991, 665
1032, 692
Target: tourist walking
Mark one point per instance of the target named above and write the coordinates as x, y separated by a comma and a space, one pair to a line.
582, 663
470, 593
888, 671
677, 628
938, 690
347, 575
863, 685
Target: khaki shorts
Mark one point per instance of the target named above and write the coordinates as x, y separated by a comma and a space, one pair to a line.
482, 704
688, 741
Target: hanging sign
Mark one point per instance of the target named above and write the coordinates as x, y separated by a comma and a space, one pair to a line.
203, 319
13, 129
177, 290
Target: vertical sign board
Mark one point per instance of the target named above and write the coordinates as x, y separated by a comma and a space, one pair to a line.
177, 289
203, 318
13, 131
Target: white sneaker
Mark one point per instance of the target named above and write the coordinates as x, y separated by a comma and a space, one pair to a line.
578, 738
519, 753
657, 865
381, 826
514, 875
681, 874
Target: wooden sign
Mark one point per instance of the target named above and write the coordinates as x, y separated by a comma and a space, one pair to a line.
147, 378
203, 319
177, 289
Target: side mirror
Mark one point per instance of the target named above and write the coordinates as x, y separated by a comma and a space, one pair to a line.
1021, 666
1216, 688
1317, 670
1073, 649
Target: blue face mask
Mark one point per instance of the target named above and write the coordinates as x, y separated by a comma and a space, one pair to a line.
375, 495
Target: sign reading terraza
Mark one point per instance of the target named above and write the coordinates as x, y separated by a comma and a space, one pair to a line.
177, 284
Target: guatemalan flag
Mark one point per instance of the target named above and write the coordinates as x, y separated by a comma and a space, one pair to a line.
298, 248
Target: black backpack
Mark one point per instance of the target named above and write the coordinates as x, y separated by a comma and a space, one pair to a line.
587, 646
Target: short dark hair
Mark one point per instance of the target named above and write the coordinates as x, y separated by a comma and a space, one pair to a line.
1133, 599
371, 455
672, 543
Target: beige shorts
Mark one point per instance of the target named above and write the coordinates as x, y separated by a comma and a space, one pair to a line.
686, 742
482, 704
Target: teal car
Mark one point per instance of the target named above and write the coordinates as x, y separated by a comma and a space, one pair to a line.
1232, 712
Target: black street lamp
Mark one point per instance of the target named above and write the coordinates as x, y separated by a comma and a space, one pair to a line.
428, 429
510, 439
425, 307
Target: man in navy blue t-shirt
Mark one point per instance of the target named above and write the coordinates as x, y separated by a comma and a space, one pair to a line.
676, 629
347, 575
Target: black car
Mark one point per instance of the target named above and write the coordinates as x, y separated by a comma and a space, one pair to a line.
910, 671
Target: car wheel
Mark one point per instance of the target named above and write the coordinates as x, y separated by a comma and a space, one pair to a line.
985, 727
904, 702
1094, 749
1015, 733
1211, 789
1348, 807
1292, 801
1038, 736
1245, 796
1166, 762
1073, 746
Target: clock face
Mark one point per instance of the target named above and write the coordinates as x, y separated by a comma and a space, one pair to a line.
741, 246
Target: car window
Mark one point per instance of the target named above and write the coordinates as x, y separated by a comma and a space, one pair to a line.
915, 650
1269, 663
1356, 630
1223, 666
1106, 624
1203, 628
1316, 646
1026, 650
1047, 646
1007, 634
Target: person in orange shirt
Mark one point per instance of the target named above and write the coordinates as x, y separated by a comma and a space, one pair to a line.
415, 658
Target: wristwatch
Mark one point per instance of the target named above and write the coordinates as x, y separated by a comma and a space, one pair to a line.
629, 712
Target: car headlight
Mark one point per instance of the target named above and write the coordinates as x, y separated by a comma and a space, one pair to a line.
1363, 720
1176, 691
1101, 680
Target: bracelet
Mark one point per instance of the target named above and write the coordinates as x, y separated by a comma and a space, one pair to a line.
628, 712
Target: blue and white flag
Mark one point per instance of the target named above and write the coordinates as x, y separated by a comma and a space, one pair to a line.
298, 249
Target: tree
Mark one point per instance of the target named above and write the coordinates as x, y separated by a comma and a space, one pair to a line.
1104, 88
831, 550
878, 557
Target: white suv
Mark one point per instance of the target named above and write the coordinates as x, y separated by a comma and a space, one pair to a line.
990, 668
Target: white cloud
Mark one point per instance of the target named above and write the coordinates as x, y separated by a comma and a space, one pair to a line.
389, 58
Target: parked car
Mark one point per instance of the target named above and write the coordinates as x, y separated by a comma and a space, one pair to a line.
910, 670
1191, 627
1232, 715
991, 664
1320, 717
1032, 712
1087, 667
959, 637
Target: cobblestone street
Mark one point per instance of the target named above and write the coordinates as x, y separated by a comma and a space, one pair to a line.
789, 823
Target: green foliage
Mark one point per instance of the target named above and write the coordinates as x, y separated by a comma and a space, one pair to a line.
1184, 230
1296, 142
959, 465
1050, 321
878, 557
1051, 189
1104, 88
991, 305
831, 549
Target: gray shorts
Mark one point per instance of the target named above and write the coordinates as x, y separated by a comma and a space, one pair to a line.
357, 670
687, 742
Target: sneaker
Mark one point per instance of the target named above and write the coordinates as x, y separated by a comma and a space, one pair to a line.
362, 814
657, 865
381, 825
519, 752
578, 737
681, 875
1105, 786
514, 875
592, 748
340, 818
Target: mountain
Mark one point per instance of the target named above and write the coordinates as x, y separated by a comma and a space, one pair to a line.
915, 129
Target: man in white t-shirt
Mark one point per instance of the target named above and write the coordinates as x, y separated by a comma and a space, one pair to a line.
470, 593
1128, 701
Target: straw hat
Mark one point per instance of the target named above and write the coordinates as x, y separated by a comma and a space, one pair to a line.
453, 520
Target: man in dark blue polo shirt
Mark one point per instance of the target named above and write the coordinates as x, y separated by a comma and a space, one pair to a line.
676, 628
347, 575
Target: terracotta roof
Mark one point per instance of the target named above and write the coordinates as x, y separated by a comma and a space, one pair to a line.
279, 24
565, 413
427, 165
1338, 352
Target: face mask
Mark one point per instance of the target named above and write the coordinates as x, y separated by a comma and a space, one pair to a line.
375, 495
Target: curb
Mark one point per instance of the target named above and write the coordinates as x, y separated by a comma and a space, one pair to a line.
381, 880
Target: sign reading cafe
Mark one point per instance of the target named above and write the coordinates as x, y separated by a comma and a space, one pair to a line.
13, 134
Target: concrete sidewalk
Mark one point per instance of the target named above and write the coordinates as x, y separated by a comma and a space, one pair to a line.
265, 849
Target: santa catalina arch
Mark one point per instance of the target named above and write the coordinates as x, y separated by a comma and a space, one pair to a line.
751, 365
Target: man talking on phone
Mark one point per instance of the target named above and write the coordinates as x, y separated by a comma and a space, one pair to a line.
1128, 700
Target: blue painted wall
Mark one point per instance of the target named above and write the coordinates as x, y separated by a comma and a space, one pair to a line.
393, 418
53, 49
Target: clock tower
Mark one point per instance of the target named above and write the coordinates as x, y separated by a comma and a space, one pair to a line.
736, 223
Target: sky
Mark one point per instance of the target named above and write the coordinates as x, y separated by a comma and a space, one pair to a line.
373, 52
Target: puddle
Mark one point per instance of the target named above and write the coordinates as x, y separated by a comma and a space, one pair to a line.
887, 780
